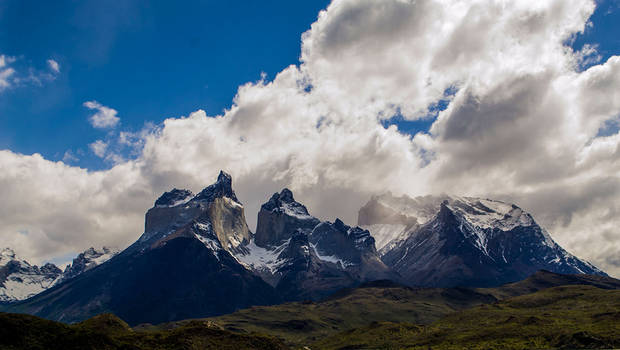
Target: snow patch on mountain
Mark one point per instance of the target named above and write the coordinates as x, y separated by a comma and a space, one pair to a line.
386, 233
490, 214
19, 280
262, 259
88, 260
331, 258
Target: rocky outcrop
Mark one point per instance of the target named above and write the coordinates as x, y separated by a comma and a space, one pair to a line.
304, 258
216, 205
280, 217
20, 280
87, 260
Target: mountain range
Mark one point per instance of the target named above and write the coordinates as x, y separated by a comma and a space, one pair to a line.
198, 258
20, 280
444, 241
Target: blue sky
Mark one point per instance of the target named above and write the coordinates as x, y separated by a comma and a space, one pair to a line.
524, 133
150, 61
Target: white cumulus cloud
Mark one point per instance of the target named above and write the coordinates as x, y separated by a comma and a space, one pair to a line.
523, 123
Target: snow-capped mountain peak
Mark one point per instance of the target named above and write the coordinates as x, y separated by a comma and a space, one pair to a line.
467, 241
292, 249
87, 260
20, 280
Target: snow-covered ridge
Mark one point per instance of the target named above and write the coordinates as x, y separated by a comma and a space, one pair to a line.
88, 260
490, 214
481, 216
20, 280
483, 213
341, 263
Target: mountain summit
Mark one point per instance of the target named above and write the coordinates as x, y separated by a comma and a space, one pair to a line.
462, 241
181, 267
304, 258
197, 257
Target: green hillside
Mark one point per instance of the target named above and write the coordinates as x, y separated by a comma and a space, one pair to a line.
108, 332
568, 317
546, 310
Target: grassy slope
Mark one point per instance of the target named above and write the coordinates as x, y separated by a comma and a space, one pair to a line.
404, 309
560, 317
303, 323
108, 332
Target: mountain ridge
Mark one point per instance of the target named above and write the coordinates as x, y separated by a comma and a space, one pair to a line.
451, 241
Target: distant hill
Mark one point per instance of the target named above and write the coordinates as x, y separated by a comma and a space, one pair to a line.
567, 317
305, 322
25, 332
545, 310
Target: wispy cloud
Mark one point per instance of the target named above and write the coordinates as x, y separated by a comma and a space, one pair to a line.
12, 76
69, 157
99, 148
6, 72
104, 117
53, 65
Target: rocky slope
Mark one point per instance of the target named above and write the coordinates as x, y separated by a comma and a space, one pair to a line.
87, 260
462, 241
181, 267
304, 258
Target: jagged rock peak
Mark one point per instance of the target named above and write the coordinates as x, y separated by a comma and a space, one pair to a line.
359, 237
286, 203
286, 195
173, 198
221, 188
89, 259
279, 217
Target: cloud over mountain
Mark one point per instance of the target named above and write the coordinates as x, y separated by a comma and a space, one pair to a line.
523, 123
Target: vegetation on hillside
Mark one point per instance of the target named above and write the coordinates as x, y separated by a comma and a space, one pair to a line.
108, 332
568, 317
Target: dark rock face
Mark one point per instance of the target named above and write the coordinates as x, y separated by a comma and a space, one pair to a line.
310, 259
173, 198
180, 268
305, 276
343, 241
280, 217
221, 188
479, 243
178, 280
